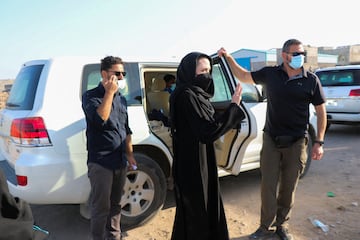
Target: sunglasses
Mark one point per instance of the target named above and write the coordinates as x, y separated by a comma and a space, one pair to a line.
118, 73
294, 54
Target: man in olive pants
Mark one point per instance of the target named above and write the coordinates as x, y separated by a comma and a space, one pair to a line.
290, 89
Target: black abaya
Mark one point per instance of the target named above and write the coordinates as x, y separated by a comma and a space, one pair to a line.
199, 208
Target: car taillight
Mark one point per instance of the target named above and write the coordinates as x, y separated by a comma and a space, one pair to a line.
30, 132
21, 180
354, 93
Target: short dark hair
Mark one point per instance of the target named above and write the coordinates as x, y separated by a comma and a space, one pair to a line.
108, 61
289, 43
169, 77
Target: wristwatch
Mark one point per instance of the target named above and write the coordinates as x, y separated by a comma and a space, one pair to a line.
319, 142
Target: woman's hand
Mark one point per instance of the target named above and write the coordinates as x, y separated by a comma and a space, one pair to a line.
236, 98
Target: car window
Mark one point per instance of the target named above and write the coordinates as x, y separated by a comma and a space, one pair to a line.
249, 93
346, 77
23, 91
132, 92
222, 91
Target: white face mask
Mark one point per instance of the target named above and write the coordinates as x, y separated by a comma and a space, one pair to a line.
121, 84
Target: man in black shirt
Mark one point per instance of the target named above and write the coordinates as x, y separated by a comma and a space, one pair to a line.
289, 90
109, 149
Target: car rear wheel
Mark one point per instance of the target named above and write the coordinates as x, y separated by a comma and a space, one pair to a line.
145, 192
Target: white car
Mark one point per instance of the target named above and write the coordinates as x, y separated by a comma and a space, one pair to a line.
341, 86
42, 132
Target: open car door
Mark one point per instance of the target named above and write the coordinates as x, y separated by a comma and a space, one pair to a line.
242, 145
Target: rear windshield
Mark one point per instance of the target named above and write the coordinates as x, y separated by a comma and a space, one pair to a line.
23, 91
347, 77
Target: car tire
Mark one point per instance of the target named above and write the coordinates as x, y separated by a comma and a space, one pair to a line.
309, 157
145, 192
327, 126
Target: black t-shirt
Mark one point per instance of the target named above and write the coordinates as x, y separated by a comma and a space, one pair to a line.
288, 100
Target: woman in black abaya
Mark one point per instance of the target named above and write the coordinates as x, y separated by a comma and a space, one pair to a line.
199, 208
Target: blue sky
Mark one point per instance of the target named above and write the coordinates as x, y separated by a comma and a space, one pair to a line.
159, 28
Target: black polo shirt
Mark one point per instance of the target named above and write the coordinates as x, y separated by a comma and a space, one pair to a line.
106, 140
288, 100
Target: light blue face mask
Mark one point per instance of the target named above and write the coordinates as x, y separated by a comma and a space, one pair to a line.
297, 61
173, 86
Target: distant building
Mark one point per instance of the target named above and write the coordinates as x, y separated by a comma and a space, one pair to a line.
347, 55
315, 59
327, 60
5, 86
253, 60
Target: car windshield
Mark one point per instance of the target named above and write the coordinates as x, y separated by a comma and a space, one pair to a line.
344, 77
23, 91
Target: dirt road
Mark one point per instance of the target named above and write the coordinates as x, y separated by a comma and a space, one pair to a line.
336, 174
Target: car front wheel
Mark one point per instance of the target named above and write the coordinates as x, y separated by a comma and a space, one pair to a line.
309, 158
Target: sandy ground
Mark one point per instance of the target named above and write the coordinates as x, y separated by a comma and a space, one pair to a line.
337, 173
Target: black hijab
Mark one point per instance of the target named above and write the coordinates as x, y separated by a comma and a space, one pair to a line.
186, 74
185, 80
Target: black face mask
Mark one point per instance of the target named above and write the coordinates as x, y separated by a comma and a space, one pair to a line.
203, 81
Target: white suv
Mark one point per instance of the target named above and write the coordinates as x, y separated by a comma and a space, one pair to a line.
42, 132
341, 86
